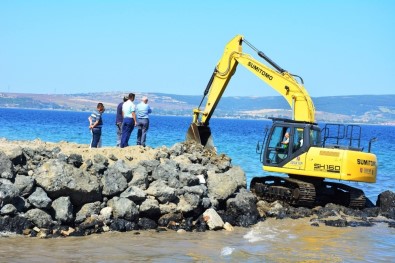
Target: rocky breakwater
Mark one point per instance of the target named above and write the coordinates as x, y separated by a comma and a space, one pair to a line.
64, 189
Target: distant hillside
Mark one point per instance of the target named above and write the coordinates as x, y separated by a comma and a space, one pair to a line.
359, 108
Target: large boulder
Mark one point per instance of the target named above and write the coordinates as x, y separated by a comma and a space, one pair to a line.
87, 210
39, 198
386, 202
58, 179
113, 182
25, 184
6, 168
8, 192
243, 208
39, 218
124, 208
161, 191
63, 209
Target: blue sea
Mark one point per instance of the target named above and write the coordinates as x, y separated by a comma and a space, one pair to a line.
236, 138
269, 241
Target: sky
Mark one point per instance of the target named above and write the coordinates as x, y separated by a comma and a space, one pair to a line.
338, 47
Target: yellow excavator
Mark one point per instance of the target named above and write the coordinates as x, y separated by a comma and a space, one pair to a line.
298, 147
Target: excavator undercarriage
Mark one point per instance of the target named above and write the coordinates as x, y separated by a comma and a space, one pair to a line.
298, 192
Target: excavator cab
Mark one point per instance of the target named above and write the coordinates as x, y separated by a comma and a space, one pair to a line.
288, 139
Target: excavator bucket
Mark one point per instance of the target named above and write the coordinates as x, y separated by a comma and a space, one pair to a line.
200, 134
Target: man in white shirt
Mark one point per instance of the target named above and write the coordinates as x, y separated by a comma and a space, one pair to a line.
129, 120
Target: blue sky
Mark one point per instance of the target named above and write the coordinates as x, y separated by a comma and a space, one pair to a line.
338, 47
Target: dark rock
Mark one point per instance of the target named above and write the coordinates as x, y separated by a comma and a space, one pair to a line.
8, 209
124, 208
100, 163
146, 223
187, 203
6, 168
91, 222
149, 165
222, 162
177, 149
161, 191
171, 217
336, 223
201, 225
165, 170
63, 209
391, 224
327, 211
87, 210
194, 169
243, 207
186, 179
113, 182
76, 160
39, 198
386, 202
140, 177
8, 192
25, 184
18, 157
79, 232
187, 224
150, 208
21, 204
134, 193
15, 224
39, 218
372, 212
359, 223
122, 225
299, 212
122, 168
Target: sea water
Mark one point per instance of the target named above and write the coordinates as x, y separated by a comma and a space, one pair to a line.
236, 138
269, 241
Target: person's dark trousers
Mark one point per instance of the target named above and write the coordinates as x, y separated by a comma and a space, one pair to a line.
127, 128
96, 133
143, 125
119, 134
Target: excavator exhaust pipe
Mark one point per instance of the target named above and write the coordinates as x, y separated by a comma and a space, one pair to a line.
201, 135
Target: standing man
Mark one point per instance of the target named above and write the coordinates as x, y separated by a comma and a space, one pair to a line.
142, 111
95, 125
129, 120
119, 121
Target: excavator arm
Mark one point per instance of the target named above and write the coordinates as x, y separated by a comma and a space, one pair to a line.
278, 79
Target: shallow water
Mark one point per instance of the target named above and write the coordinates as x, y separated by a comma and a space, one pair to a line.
270, 241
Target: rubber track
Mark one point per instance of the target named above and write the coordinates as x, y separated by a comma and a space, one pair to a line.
357, 198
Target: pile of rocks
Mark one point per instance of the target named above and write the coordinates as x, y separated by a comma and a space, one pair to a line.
182, 187
48, 192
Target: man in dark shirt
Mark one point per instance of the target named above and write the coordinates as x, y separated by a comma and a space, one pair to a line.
119, 120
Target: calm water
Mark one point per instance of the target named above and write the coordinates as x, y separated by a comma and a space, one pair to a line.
277, 241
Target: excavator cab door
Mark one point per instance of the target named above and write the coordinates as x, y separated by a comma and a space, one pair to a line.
287, 140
